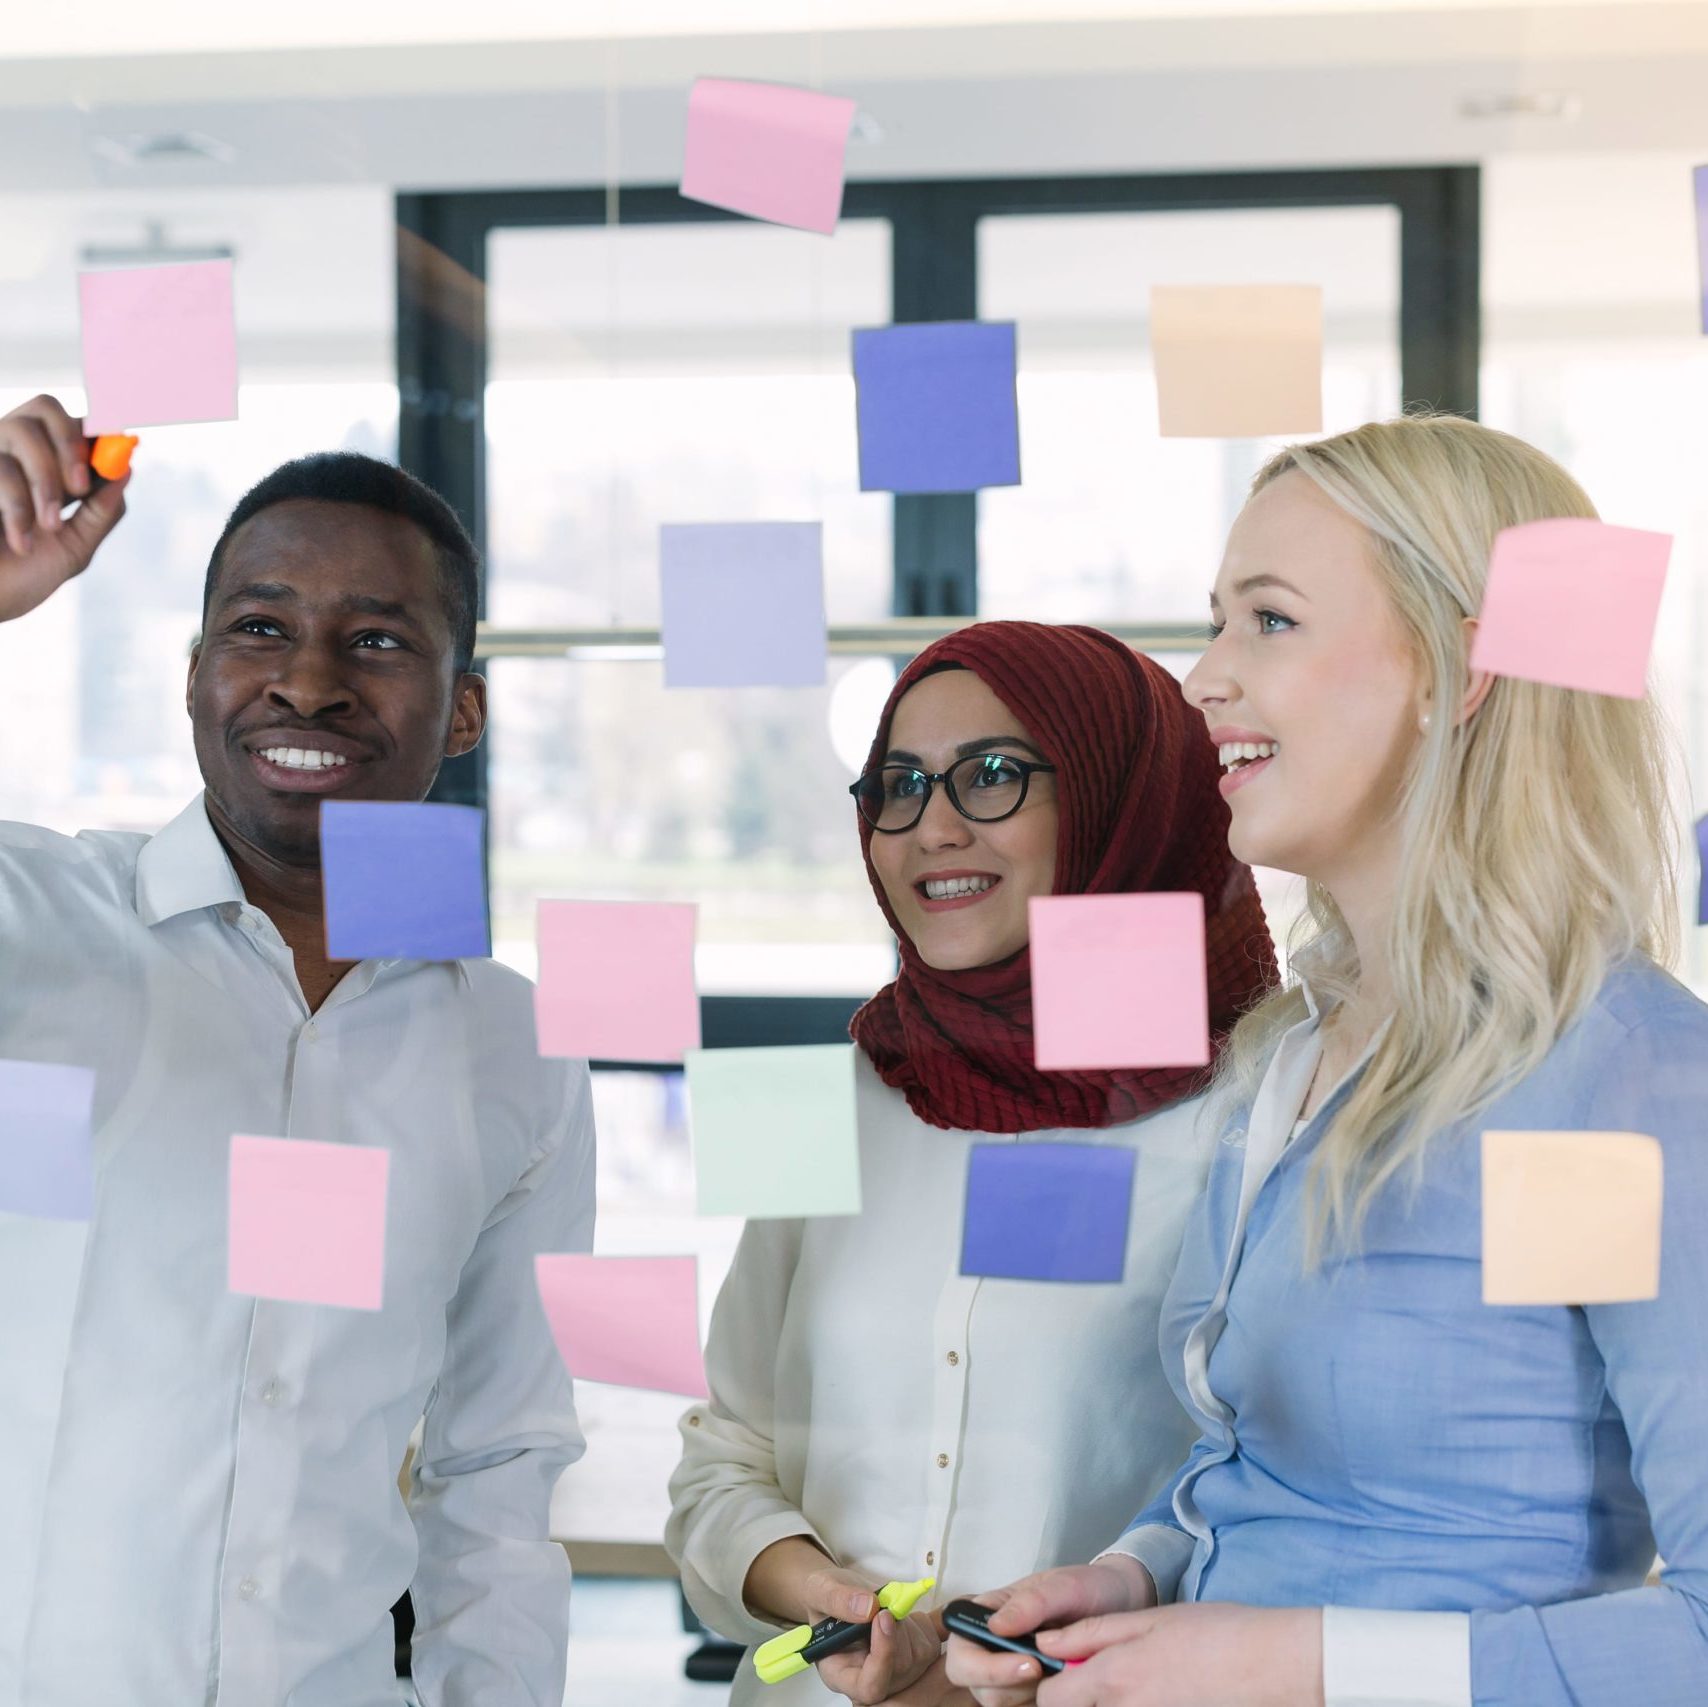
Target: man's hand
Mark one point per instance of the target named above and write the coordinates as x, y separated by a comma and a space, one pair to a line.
1208, 1655
44, 465
1113, 1585
901, 1655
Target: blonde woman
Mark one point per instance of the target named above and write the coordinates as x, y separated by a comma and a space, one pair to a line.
1400, 1494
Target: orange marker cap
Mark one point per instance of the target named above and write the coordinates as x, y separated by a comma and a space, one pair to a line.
109, 456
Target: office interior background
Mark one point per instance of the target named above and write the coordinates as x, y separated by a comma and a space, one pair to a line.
458, 242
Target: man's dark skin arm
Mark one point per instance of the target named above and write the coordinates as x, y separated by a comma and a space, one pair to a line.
327, 630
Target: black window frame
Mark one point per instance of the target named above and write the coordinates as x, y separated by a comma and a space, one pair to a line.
442, 361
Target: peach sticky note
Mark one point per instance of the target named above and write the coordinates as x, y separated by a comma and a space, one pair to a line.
1571, 1217
1573, 603
1119, 981
767, 150
617, 980
629, 1321
159, 345
1237, 361
307, 1221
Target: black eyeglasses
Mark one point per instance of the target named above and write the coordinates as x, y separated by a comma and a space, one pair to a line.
985, 787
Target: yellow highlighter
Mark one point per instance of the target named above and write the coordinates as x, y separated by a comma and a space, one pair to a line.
791, 1653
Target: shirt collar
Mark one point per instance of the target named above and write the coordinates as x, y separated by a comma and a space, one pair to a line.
185, 868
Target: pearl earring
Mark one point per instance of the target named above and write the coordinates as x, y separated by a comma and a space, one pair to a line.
1423, 722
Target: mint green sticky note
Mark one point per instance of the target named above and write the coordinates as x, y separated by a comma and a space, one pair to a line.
774, 1130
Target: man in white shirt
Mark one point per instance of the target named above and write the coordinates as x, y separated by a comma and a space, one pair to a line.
198, 1499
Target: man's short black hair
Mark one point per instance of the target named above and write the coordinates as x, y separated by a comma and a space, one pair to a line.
348, 477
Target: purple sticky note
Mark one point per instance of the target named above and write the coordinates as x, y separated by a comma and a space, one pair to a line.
46, 1148
1047, 1211
1572, 603
1119, 981
617, 980
1702, 861
1701, 177
404, 880
307, 1221
159, 345
630, 1321
936, 406
742, 604
767, 150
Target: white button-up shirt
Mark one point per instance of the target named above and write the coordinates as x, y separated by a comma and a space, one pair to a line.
200, 1499
914, 1420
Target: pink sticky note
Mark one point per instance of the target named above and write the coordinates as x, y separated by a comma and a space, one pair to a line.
1119, 981
617, 980
1572, 602
159, 345
629, 1321
307, 1221
768, 151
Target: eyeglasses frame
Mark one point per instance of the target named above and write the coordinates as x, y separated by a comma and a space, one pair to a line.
1028, 768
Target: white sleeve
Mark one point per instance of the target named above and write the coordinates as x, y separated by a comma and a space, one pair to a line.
1163, 1551
491, 1588
1395, 1659
726, 1504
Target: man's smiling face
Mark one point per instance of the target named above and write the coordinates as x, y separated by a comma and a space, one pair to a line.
326, 670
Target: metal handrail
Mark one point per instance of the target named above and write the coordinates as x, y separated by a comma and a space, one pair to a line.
896, 637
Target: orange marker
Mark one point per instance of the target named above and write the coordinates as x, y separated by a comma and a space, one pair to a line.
109, 457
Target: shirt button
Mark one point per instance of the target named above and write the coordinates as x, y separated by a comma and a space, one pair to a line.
694, 1421
954, 1358
248, 1589
931, 1558
272, 1393
942, 1460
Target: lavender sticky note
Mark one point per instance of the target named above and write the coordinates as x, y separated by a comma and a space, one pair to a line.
159, 345
1572, 603
1701, 183
630, 1321
1702, 866
767, 150
1119, 981
617, 980
404, 880
937, 409
742, 604
307, 1221
1047, 1211
46, 1148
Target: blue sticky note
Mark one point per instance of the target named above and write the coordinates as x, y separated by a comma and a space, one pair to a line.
1047, 1211
46, 1148
742, 604
936, 406
1701, 177
404, 880
1702, 861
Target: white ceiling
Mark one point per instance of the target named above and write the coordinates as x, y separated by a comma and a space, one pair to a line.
111, 28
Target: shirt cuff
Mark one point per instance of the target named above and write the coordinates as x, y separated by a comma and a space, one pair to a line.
1163, 1551
1395, 1659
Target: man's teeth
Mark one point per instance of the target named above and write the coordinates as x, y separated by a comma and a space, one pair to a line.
302, 758
945, 888
1235, 753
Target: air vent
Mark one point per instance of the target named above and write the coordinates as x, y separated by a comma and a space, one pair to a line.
164, 148
1559, 105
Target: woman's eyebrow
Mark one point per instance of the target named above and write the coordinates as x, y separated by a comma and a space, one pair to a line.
900, 756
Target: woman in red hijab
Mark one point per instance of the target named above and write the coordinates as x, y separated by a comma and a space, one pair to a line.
876, 1415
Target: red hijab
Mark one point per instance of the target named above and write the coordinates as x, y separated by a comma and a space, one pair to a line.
1136, 789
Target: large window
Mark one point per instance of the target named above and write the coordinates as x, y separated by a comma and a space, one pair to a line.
106, 743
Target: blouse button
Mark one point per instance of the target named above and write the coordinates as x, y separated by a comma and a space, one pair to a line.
954, 1358
942, 1460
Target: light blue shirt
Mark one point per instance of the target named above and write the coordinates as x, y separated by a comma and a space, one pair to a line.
1374, 1436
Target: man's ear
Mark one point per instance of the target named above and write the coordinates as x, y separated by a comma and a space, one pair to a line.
190, 679
468, 715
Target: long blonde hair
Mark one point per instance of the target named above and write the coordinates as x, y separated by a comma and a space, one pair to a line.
1539, 841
